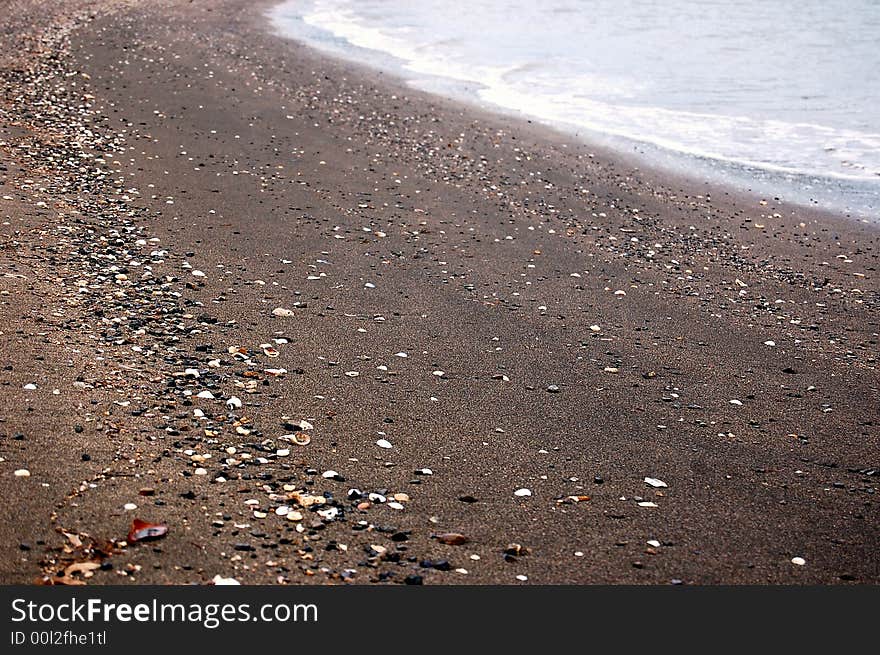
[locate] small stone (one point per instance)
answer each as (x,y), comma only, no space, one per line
(451,538)
(22,473)
(282,311)
(654,482)
(522,493)
(553,389)
(798,561)
(384,443)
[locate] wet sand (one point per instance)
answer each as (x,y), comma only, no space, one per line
(172,172)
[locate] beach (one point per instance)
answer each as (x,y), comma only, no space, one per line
(327,328)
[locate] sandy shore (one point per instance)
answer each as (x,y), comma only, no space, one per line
(217,245)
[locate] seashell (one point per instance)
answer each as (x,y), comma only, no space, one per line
(143,531)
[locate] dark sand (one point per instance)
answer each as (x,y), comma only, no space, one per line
(493,247)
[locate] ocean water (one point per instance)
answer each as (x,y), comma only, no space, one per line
(781,97)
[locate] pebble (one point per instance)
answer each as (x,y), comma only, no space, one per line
(654,482)
(22,473)
(451,538)
(384,443)
(129,507)
(282,311)
(522,493)
(798,561)
(30,386)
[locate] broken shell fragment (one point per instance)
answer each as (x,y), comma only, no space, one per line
(219,580)
(298,425)
(143,531)
(298,438)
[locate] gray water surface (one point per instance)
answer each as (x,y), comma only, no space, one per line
(779,97)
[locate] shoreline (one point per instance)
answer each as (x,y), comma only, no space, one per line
(748,179)
(243,173)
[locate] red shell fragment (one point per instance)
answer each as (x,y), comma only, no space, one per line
(143,531)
